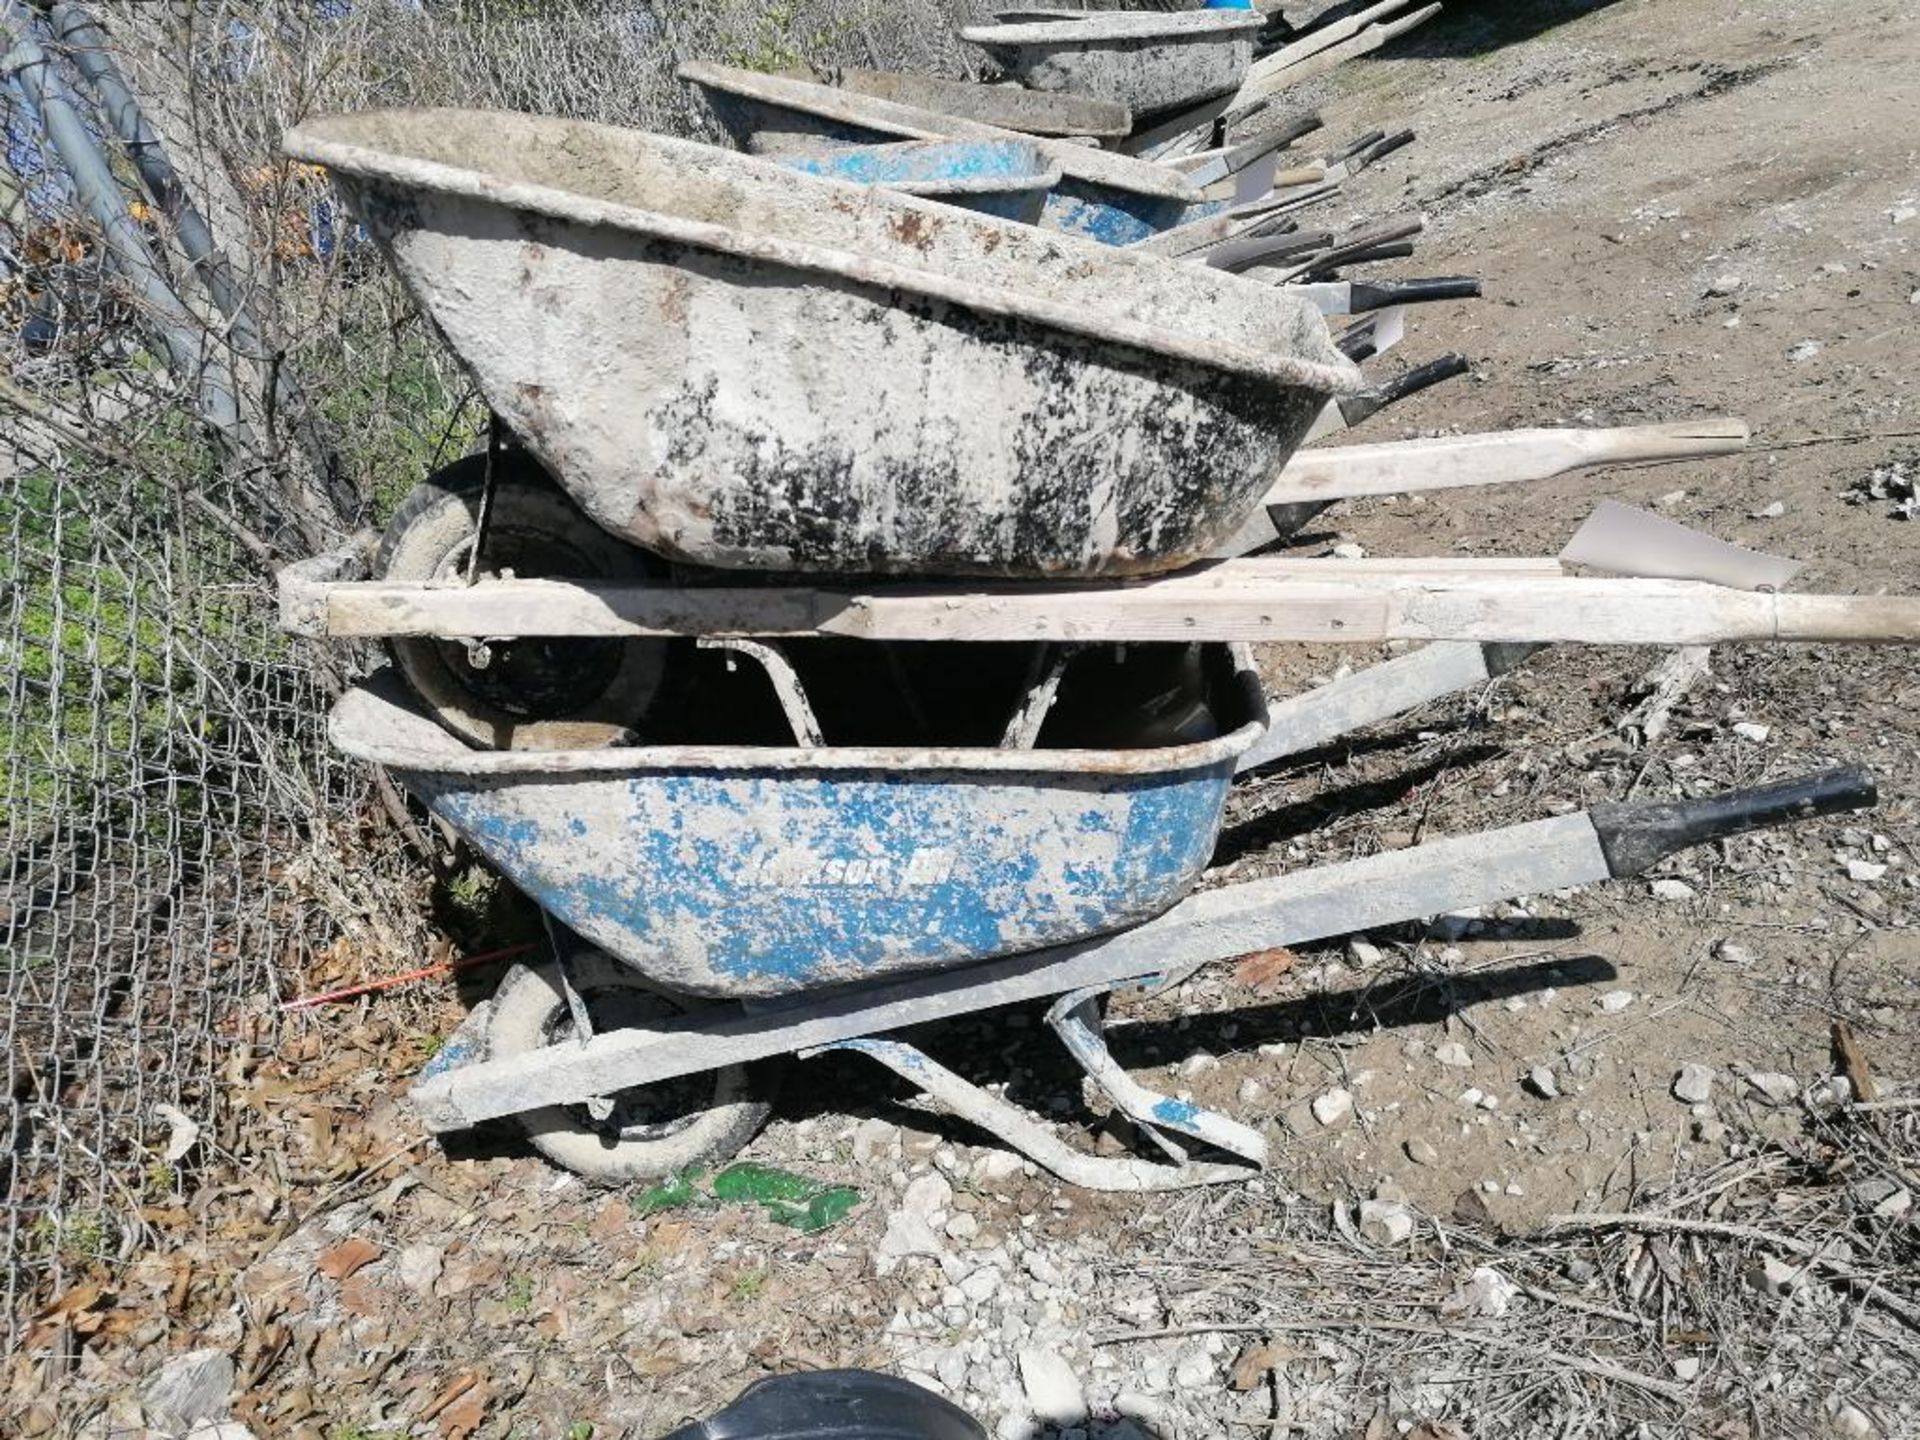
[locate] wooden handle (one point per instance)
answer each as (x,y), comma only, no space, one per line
(1501,458)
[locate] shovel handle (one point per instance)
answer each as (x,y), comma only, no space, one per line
(1633,837)
(1413,292)
(1359,407)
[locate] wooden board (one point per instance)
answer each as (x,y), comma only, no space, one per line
(1253,600)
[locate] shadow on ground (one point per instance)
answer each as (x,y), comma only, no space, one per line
(1477,27)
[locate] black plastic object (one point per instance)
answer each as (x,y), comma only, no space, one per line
(1355,408)
(1380,149)
(1274,137)
(1237,255)
(1632,837)
(834,1405)
(1365,142)
(1364,296)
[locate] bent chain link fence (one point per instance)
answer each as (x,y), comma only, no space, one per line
(208,373)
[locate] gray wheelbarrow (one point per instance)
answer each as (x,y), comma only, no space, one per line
(736,365)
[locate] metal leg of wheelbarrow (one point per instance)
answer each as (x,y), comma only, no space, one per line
(1075,1018)
(1014,1126)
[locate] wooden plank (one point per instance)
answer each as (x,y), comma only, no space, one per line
(1254,600)
(1500,458)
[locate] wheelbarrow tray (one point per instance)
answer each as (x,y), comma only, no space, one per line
(737,365)
(1012,107)
(1111,198)
(1151,63)
(1007,178)
(759,871)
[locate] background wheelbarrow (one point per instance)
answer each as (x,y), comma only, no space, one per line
(1151,63)
(1110,198)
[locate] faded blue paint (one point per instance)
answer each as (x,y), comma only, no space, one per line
(920,162)
(1007,178)
(1181,1114)
(1114,216)
(765,882)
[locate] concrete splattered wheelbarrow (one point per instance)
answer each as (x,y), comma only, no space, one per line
(1007,178)
(1011,107)
(1110,198)
(735,365)
(762,903)
(1151,63)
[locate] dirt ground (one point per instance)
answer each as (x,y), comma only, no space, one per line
(1680,208)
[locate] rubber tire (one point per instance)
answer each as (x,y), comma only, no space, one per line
(525,1008)
(436,522)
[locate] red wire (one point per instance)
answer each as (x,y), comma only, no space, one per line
(367,987)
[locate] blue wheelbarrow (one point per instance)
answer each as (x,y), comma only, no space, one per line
(727,904)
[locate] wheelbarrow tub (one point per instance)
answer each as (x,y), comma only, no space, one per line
(1007,178)
(740,366)
(1151,63)
(1011,107)
(748,871)
(1111,198)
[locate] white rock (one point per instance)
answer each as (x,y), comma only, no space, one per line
(1671,890)
(1195,1371)
(927,1196)
(1198,1063)
(1723,284)
(1453,1054)
(1775,1088)
(1540,1077)
(1614,1001)
(1362,955)
(220,1430)
(1250,1090)
(1895,1205)
(996,1167)
(1036,1264)
(1686,1368)
(1770,511)
(1487,1292)
(188,1389)
(1421,1152)
(962,1226)
(1385,1222)
(1472,1095)
(1771,1276)
(1053,1393)
(1332,1107)
(981,1284)
(1805,350)
(1748,730)
(1865,871)
(875,1137)
(1853,1423)
(905,1235)
(1348,550)
(1733,954)
(418,1267)
(1694,1084)
(1901,214)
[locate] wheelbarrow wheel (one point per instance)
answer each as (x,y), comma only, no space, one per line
(533,692)
(653,1132)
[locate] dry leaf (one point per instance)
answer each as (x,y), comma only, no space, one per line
(1379,1427)
(1262,969)
(347,1257)
(1250,1370)
(1438,1430)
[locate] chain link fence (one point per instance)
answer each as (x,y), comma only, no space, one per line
(208,373)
